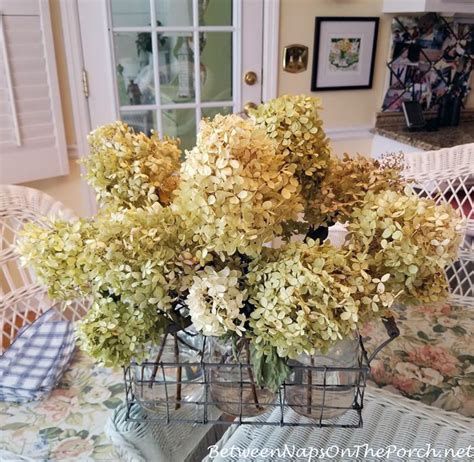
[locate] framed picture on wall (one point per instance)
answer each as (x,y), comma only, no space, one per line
(344,53)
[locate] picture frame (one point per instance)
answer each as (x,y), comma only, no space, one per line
(344,53)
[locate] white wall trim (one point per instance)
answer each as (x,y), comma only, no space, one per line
(345,133)
(270,61)
(52,76)
(75,64)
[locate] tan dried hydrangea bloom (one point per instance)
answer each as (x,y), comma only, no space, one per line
(293,122)
(235,190)
(411,238)
(346,184)
(131,169)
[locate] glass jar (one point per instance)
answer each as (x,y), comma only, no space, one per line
(233,388)
(325,395)
(162,386)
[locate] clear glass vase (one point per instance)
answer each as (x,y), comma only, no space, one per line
(233,388)
(325,395)
(164,383)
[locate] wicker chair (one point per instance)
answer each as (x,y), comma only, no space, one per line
(22,298)
(437,336)
(447,175)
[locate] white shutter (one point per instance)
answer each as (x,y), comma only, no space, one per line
(32,142)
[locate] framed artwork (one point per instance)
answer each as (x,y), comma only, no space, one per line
(344,53)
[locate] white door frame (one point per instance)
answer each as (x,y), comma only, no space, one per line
(75,67)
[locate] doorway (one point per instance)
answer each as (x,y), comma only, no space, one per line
(164,65)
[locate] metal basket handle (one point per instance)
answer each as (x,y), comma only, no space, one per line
(392,331)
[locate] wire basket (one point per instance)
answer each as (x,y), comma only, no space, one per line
(181,392)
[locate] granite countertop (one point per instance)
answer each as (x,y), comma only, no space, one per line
(393,126)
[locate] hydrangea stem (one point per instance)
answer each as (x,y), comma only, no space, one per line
(309,390)
(179,372)
(157,360)
(252,380)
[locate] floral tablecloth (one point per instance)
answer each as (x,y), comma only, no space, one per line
(432,360)
(69,424)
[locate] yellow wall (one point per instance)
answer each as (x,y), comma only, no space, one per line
(67,189)
(346,108)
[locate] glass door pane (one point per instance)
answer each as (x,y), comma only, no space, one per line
(173,63)
(180,123)
(176,58)
(215,13)
(134,68)
(123,15)
(174,13)
(216,66)
(140,121)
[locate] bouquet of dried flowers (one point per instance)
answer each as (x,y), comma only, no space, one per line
(180,244)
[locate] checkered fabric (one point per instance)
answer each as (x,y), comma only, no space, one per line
(35,361)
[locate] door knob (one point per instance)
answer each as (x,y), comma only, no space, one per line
(250,78)
(248,106)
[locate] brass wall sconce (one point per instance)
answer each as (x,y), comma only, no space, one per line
(295,58)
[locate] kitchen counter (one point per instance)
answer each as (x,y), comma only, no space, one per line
(445,137)
(392,126)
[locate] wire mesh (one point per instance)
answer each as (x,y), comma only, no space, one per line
(175,392)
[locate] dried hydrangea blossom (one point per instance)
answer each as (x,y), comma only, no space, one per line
(143,257)
(411,238)
(114,332)
(127,168)
(235,190)
(303,301)
(294,123)
(57,252)
(215,302)
(347,182)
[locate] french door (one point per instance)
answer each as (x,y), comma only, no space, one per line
(165,64)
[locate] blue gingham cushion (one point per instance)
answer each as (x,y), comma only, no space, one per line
(35,361)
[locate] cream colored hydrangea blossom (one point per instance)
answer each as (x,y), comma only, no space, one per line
(131,169)
(215,302)
(235,190)
(411,238)
(293,122)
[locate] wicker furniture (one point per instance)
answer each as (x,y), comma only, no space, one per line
(447,175)
(433,358)
(391,423)
(22,298)
(71,420)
